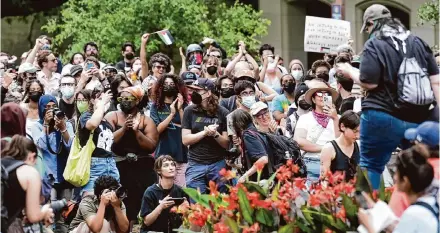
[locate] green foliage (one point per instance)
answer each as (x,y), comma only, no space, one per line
(245,206)
(114,22)
(429,12)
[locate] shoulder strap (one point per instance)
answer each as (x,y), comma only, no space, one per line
(256,134)
(429,207)
(11,164)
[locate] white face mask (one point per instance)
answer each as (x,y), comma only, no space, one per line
(248,101)
(67,92)
(297,74)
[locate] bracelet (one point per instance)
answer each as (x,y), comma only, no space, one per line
(64,130)
(46,125)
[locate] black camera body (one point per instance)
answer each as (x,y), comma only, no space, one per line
(120,191)
(58,113)
(59,205)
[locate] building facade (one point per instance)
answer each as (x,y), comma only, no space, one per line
(286,32)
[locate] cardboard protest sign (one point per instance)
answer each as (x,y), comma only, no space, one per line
(324,35)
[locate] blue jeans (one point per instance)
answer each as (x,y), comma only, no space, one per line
(100,167)
(198,176)
(380,135)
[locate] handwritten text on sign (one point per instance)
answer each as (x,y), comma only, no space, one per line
(323,35)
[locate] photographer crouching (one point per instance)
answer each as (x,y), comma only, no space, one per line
(103,212)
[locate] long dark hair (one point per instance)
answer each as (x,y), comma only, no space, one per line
(73,57)
(212,107)
(19,147)
(28,86)
(158,89)
(119,78)
(413,164)
(394,23)
(240,120)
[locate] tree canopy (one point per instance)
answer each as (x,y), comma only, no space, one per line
(110,23)
(428,12)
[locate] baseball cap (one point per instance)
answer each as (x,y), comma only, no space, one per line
(301,89)
(27,68)
(257,107)
(426,133)
(75,70)
(203,83)
(188,77)
(375,11)
(109,67)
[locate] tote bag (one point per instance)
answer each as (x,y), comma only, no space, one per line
(77,171)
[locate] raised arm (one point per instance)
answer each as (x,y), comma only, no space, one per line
(33,53)
(143,54)
(231,65)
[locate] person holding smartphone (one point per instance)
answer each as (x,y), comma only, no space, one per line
(315,128)
(159,198)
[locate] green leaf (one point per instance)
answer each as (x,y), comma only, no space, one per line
(254,187)
(289,228)
(382,189)
(264,216)
(362,181)
(196,196)
(245,207)
(275,192)
(351,209)
(233,226)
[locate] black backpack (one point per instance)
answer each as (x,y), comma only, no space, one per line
(278,146)
(8,165)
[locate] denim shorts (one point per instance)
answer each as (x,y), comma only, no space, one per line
(380,134)
(100,167)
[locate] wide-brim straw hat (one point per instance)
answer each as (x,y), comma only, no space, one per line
(316,85)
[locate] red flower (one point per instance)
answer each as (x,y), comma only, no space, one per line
(328,231)
(341,214)
(213,188)
(300,183)
(259,165)
(289,163)
(221,228)
(389,190)
(314,200)
(227,174)
(295,168)
(252,229)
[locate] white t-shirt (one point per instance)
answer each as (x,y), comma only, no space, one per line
(418,219)
(308,122)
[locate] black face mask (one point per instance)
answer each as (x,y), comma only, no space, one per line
(127,106)
(169,91)
(196,98)
(35,96)
(129,56)
(289,88)
(211,70)
(227,92)
(304,105)
(324,77)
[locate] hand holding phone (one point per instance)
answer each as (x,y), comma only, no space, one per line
(89,65)
(328,101)
(177,200)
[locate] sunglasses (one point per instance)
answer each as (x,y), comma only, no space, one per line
(127,98)
(67,84)
(321,93)
(160,67)
(216,56)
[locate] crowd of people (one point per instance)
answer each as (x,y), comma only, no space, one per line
(151,130)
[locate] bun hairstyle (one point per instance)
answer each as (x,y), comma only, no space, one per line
(413,163)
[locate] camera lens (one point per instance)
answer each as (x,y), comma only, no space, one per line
(58,113)
(121,192)
(58,205)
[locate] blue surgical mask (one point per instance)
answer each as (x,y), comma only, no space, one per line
(248,101)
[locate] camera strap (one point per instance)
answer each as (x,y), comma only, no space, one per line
(59,138)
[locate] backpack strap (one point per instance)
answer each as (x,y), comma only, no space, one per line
(257,135)
(9,164)
(431,209)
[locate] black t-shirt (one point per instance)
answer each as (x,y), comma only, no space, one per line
(121,65)
(166,221)
(229,103)
(380,64)
(347,104)
(207,150)
(256,146)
(102,136)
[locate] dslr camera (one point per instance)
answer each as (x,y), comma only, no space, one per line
(120,191)
(58,113)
